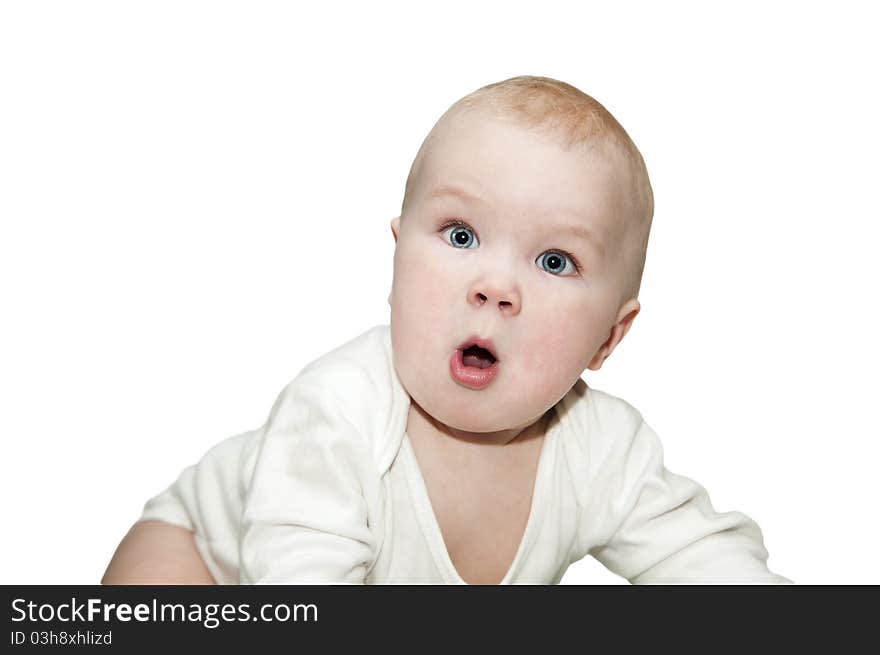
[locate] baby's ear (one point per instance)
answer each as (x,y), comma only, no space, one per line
(395,226)
(625,316)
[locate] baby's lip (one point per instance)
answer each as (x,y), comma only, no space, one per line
(476,340)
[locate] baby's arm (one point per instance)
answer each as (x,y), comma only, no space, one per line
(190,531)
(665,529)
(154,552)
(305,520)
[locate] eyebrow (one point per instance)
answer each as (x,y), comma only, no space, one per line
(447,190)
(580,231)
(586,234)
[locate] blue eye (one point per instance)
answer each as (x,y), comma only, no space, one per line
(461,236)
(557,263)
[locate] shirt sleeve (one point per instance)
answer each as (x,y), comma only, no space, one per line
(207,498)
(306,519)
(669,533)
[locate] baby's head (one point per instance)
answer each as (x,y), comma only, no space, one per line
(524,225)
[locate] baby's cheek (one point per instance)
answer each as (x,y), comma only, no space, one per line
(427,286)
(556,358)
(546,346)
(420,315)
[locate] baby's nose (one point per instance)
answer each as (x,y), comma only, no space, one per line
(505,297)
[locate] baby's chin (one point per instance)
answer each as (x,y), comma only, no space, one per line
(474,427)
(476,417)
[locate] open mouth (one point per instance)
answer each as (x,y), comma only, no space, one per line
(474,364)
(477,357)
(477,352)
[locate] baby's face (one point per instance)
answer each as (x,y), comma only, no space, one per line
(511,239)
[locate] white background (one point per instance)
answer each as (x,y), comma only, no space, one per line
(195,201)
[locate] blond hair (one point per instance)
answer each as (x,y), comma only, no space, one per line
(582,122)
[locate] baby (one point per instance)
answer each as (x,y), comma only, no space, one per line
(459,445)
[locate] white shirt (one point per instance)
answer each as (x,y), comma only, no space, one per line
(328,491)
